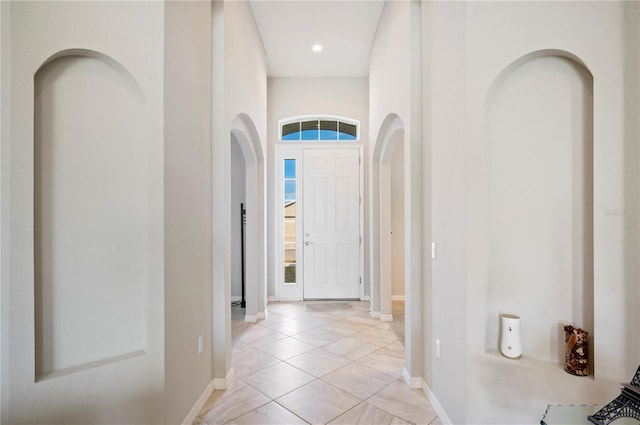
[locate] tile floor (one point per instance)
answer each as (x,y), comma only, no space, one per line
(299,367)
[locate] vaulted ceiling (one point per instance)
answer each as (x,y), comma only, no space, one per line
(345,29)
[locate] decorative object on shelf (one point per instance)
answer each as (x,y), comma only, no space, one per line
(576,351)
(510,345)
(626,405)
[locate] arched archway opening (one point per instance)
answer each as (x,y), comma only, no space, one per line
(244,135)
(386,169)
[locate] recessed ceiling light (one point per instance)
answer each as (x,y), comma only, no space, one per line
(317,48)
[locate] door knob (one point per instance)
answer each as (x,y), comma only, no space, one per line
(308,243)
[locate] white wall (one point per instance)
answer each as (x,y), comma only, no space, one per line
(395,90)
(239,95)
(397,221)
(467,46)
(238,177)
(5,54)
(289,97)
(128,388)
(187,187)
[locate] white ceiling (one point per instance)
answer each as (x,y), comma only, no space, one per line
(345,28)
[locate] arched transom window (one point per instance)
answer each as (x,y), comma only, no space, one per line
(329,129)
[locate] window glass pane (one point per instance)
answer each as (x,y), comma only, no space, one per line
(289,190)
(343,136)
(291,128)
(328,135)
(289,168)
(309,125)
(329,125)
(347,131)
(310,135)
(292,136)
(290,226)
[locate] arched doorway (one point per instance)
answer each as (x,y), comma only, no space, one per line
(244,134)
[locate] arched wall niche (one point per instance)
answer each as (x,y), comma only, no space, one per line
(539,141)
(92,213)
(125,74)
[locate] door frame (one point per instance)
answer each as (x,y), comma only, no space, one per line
(295,291)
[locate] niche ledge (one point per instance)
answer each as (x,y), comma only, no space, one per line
(74,369)
(549,370)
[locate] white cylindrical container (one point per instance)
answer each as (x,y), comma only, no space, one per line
(510,345)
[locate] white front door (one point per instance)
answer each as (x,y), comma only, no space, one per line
(331,217)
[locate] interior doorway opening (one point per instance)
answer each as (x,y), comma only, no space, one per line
(238,170)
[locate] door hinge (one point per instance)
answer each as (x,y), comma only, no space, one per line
(359,160)
(361,199)
(360,239)
(360,280)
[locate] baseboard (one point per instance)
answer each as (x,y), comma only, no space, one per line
(366,298)
(374,314)
(260,315)
(412,382)
(197,407)
(252,319)
(397,297)
(386,317)
(435,404)
(271,298)
(234,299)
(223,383)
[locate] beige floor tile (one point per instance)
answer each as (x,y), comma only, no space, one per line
(368,320)
(273,318)
(239,347)
(286,348)
(276,381)
(293,309)
(358,380)
(395,346)
(319,336)
(251,361)
(409,405)
(351,348)
(388,361)
(318,402)
(269,414)
(318,362)
(259,335)
(295,326)
(345,327)
(383,325)
(379,337)
(366,414)
(436,421)
(235,401)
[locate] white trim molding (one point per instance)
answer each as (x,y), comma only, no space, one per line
(435,404)
(386,317)
(260,315)
(374,314)
(199,404)
(223,383)
(413,382)
(251,319)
